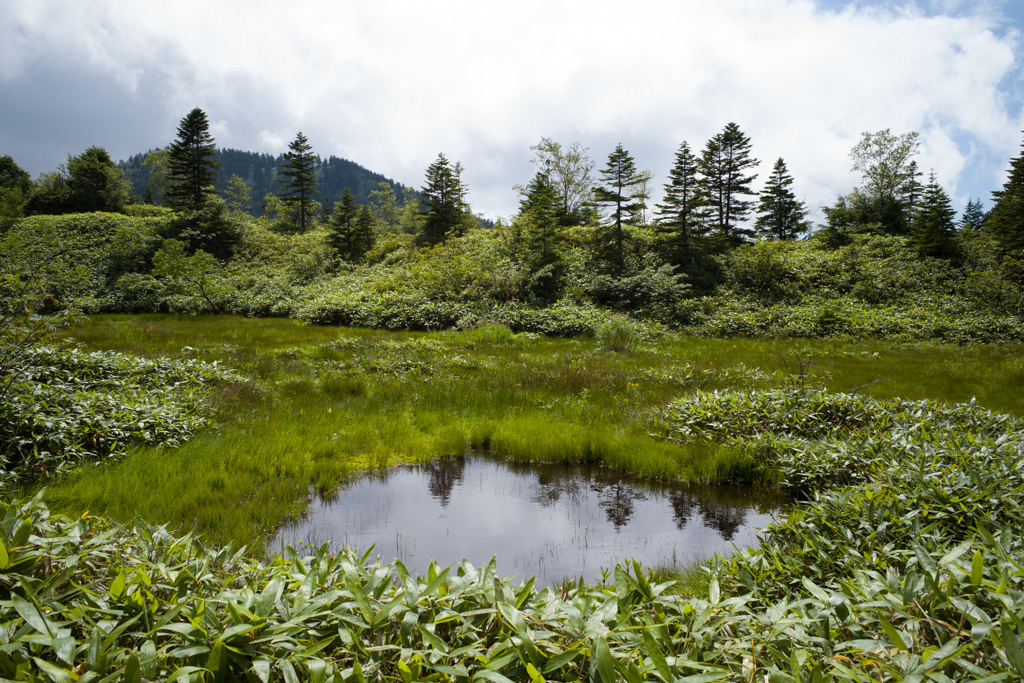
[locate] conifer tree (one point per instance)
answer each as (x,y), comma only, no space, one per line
(682,215)
(191,164)
(1006,222)
(297,178)
(443,207)
(724,166)
(912,193)
(934,222)
(350,231)
(620,180)
(780,216)
(974,215)
(541,233)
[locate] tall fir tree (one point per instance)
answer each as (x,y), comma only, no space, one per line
(297,178)
(443,206)
(724,166)
(934,222)
(780,216)
(540,211)
(618,192)
(350,230)
(682,215)
(912,194)
(191,164)
(1006,221)
(974,215)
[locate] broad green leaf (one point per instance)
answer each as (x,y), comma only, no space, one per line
(602,666)
(1014,651)
(653,650)
(55,672)
(892,634)
(31,614)
(977,568)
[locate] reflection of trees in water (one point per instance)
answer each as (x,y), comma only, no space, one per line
(444,475)
(726,519)
(720,511)
(682,503)
(617,499)
(553,483)
(723,508)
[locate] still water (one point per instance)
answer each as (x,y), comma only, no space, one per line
(552,521)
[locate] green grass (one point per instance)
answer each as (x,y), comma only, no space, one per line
(327,402)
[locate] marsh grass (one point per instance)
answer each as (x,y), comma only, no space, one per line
(326,403)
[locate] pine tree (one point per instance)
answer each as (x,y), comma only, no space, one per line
(620,180)
(974,216)
(297,178)
(933,222)
(723,165)
(682,216)
(443,207)
(1006,222)
(779,215)
(191,165)
(912,194)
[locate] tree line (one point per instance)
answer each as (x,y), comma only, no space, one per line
(708,204)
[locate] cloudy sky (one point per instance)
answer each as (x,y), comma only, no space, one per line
(390,84)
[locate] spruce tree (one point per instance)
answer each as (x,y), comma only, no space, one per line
(297,178)
(912,194)
(974,215)
(540,211)
(618,193)
(682,215)
(191,166)
(780,216)
(933,222)
(1006,222)
(350,231)
(443,207)
(724,166)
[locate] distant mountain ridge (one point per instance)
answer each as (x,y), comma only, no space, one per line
(334,174)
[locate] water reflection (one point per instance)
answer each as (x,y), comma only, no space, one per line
(552,521)
(443,476)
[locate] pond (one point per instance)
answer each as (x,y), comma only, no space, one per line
(552,521)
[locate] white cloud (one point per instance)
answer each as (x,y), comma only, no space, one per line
(391,84)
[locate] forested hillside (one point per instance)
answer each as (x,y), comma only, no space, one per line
(259,171)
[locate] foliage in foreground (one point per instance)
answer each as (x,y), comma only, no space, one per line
(908,569)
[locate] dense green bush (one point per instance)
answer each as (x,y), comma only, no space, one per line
(871,286)
(64,406)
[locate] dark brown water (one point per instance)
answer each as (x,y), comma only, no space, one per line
(551,521)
